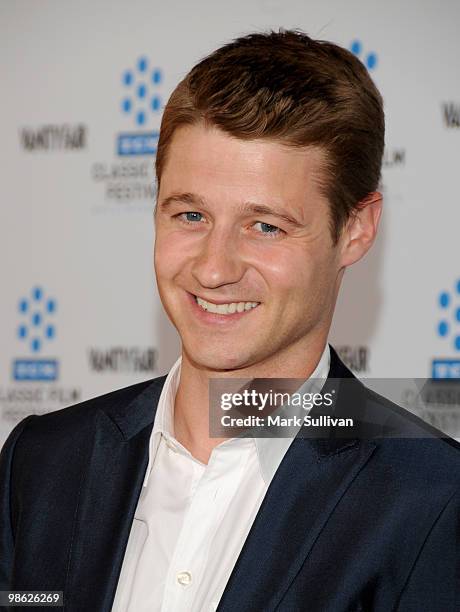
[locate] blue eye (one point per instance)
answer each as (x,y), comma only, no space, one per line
(266,228)
(191,217)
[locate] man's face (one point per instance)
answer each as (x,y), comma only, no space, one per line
(244,222)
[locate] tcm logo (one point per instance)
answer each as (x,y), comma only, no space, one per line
(368,58)
(448,328)
(35,330)
(451,114)
(141,100)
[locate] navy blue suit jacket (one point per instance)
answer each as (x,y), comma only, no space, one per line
(364,523)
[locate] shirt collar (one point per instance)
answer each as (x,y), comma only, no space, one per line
(270,451)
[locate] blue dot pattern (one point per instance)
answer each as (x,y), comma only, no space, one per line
(128,78)
(356,47)
(142,64)
(443,328)
(141,98)
(35,328)
(451,314)
(371,59)
(444,299)
(37,294)
(23,305)
(51,306)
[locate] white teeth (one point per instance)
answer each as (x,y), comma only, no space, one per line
(226,309)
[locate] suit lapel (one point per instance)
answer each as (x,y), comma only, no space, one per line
(307,486)
(110,489)
(304,492)
(309,483)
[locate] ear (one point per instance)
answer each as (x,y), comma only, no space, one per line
(361,229)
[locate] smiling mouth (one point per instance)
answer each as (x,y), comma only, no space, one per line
(225,309)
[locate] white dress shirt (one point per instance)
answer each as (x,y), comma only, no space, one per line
(192,519)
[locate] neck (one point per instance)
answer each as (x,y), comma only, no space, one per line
(191,408)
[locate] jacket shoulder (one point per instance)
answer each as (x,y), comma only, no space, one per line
(407,446)
(418,453)
(76,421)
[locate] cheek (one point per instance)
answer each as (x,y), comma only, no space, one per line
(300,277)
(169,254)
(287,270)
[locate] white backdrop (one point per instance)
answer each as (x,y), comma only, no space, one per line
(79,311)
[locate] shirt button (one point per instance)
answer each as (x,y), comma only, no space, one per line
(184,578)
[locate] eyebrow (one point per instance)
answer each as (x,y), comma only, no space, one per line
(247,207)
(182,198)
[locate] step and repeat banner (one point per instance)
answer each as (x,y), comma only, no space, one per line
(83,89)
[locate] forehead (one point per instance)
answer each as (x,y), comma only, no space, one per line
(207,161)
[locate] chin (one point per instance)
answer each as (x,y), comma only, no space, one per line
(217,357)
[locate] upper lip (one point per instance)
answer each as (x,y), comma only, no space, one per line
(219,301)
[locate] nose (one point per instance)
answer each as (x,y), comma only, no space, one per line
(218,261)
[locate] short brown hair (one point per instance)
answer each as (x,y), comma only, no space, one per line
(284,86)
